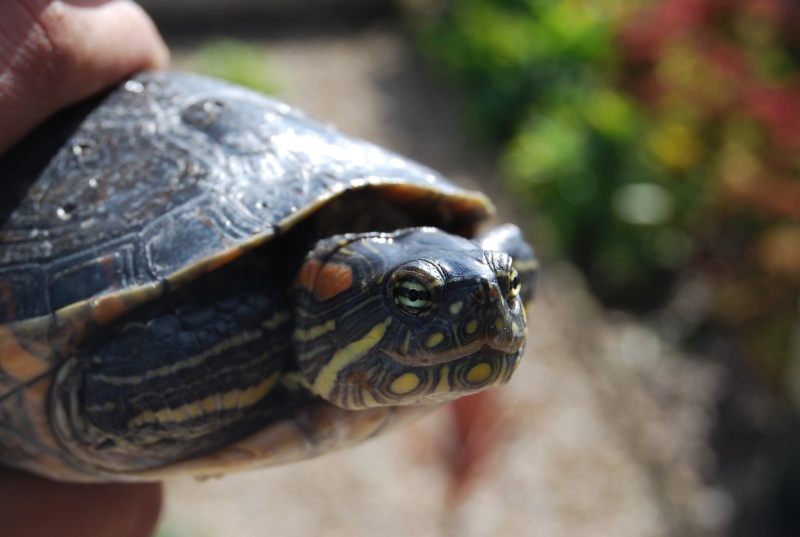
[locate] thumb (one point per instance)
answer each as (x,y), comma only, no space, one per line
(54,53)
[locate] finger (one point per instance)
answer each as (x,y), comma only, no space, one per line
(54,53)
(31,506)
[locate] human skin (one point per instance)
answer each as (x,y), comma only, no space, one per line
(53,54)
(32,506)
(56,53)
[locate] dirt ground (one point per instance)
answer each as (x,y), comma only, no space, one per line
(603,430)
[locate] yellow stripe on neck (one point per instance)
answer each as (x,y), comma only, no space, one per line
(326,380)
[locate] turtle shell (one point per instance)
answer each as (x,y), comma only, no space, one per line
(170,175)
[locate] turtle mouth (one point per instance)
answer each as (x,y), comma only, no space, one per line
(490,349)
(491,354)
(486,368)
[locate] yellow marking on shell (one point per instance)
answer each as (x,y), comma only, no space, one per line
(404,384)
(315,331)
(499,323)
(455,307)
(479,373)
(224,258)
(471,327)
(434,340)
(16,361)
(107,308)
(231,400)
(326,380)
(73,321)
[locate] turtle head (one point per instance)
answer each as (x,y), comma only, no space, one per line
(410,317)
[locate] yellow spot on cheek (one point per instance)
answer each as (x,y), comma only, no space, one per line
(434,340)
(471,327)
(455,307)
(404,384)
(499,324)
(479,373)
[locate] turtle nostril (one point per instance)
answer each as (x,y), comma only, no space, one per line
(479,295)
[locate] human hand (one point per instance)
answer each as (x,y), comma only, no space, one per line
(52,54)
(31,506)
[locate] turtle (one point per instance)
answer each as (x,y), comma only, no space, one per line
(197,278)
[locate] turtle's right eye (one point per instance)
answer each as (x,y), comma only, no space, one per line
(412,296)
(513,285)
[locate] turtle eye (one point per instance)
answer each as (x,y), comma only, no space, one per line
(513,284)
(412,296)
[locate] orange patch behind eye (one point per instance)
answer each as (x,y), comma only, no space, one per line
(326,281)
(308,274)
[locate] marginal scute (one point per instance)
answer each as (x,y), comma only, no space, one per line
(17,363)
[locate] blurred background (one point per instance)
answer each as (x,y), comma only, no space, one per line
(650,149)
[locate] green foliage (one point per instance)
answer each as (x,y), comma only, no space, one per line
(537,77)
(511,53)
(652,139)
(236,61)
